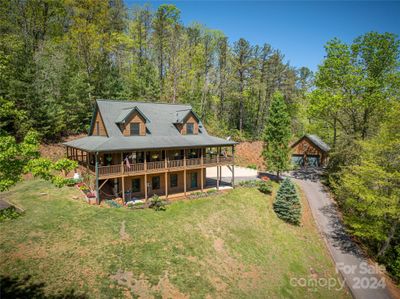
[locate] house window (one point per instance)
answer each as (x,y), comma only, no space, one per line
(135,129)
(97,128)
(174,180)
(136,185)
(155,182)
(189,128)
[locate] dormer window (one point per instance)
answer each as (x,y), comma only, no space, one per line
(189,128)
(135,129)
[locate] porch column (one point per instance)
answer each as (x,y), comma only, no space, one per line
(122,164)
(202,170)
(145,185)
(166,163)
(202,179)
(233,166)
(87,162)
(97,179)
(184,172)
(123,188)
(166,184)
(217,177)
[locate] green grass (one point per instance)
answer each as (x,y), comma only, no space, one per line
(230,246)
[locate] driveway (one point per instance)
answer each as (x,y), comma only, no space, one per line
(363,280)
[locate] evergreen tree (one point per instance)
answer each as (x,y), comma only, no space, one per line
(277,136)
(287,203)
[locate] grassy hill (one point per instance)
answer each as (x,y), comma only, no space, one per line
(230,246)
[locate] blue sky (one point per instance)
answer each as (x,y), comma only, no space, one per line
(299,29)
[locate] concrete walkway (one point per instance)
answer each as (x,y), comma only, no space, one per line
(362,279)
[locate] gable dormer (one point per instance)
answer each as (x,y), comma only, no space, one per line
(132,122)
(187,122)
(97,127)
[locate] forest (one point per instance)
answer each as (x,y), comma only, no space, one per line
(57,57)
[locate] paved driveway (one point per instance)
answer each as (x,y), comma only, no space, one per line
(362,279)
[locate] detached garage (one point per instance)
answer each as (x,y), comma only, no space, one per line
(310,151)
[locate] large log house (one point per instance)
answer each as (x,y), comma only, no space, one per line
(138,149)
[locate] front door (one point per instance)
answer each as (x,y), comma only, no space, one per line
(193,180)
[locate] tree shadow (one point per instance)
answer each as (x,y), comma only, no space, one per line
(212,182)
(338,235)
(307,173)
(270,176)
(21,288)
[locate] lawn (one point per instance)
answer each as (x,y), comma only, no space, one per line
(227,246)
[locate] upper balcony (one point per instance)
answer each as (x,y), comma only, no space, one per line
(148,162)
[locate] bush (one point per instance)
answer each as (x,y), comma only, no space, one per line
(157,204)
(287,203)
(113,204)
(9,213)
(252,166)
(265,187)
(250,184)
(135,205)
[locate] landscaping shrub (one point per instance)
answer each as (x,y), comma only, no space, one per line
(287,203)
(135,205)
(265,187)
(157,204)
(9,213)
(113,204)
(250,184)
(252,166)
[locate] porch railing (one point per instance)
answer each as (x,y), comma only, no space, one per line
(108,170)
(158,165)
(175,163)
(134,167)
(193,162)
(155,165)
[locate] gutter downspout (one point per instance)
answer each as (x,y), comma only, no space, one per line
(97,179)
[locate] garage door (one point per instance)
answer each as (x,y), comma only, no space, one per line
(297,160)
(313,161)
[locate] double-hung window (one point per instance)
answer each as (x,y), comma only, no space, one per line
(135,129)
(190,128)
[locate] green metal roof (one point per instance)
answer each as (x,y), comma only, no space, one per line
(160,125)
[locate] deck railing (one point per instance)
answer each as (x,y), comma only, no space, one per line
(109,170)
(193,162)
(155,165)
(117,169)
(175,163)
(134,167)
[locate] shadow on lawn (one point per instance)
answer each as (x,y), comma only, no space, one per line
(21,288)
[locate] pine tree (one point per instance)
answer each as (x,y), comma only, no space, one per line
(287,204)
(277,136)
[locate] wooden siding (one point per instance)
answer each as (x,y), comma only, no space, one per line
(305,147)
(161,191)
(190,119)
(102,128)
(135,118)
